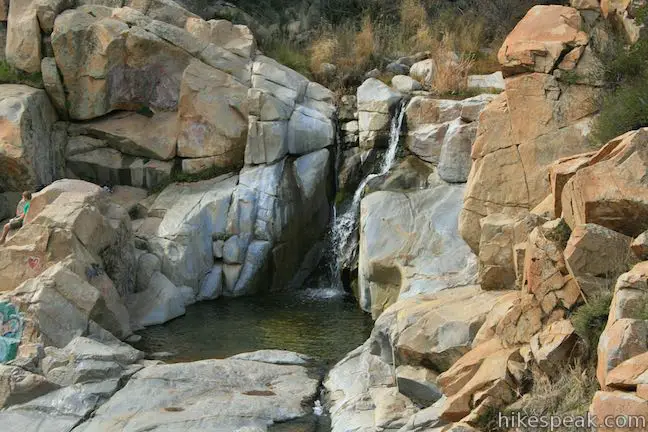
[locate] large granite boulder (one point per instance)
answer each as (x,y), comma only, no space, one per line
(349,384)
(62,305)
(125,68)
(588,198)
(432,330)
(23,49)
(193,215)
(377,102)
(409,244)
(190,396)
(134,134)
(28,155)
(540,39)
(72,221)
(213,115)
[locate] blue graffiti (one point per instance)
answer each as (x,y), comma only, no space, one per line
(11,326)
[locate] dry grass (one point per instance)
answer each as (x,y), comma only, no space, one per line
(571,394)
(365,42)
(451,75)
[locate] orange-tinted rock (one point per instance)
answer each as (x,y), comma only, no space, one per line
(620,341)
(629,374)
(628,409)
(540,38)
(612,191)
(560,173)
(598,251)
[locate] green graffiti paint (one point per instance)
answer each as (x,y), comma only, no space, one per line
(11,325)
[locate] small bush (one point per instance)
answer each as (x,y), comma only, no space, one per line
(9,75)
(590,319)
(451,76)
(624,72)
(289,54)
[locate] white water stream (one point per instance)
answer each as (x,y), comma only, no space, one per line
(343,233)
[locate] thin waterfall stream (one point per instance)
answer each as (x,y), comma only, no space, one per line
(344,227)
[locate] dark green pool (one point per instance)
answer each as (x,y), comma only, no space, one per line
(318,322)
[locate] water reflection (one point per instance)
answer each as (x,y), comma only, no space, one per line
(318,322)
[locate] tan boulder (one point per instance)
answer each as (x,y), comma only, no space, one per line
(630,374)
(516,145)
(614,6)
(553,347)
(546,275)
(623,411)
(433,330)
(134,134)
(560,173)
(213,115)
(521,321)
(19,386)
(124,68)
(630,294)
(23,49)
(496,263)
(611,191)
(620,341)
(28,155)
(62,306)
(237,39)
(488,330)
(502,245)
(639,246)
(71,221)
(488,382)
(598,251)
(393,409)
(540,38)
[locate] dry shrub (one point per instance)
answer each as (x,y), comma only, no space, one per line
(322,50)
(451,76)
(413,15)
(365,42)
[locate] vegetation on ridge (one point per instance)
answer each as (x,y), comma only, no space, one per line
(625,74)
(357,36)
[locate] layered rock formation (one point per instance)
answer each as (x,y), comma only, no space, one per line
(554,226)
(518,131)
(198,87)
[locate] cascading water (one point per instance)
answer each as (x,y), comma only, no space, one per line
(343,232)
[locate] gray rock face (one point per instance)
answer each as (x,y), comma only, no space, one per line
(160,302)
(376,101)
(409,244)
(196,214)
(28,156)
(455,160)
(215,395)
(278,357)
(351,386)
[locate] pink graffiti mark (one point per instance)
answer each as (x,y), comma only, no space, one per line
(34,263)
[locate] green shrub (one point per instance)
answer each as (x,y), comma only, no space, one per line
(625,75)
(289,54)
(9,75)
(590,319)
(622,110)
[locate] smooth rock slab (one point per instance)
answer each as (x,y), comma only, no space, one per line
(214,395)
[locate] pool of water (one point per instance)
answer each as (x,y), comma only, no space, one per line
(322,323)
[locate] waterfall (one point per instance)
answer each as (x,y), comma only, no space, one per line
(343,238)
